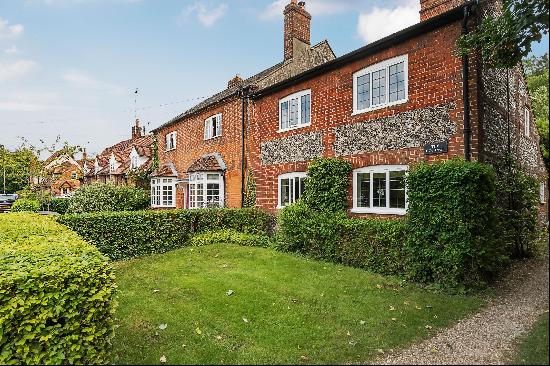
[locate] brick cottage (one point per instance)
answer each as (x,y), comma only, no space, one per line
(383,107)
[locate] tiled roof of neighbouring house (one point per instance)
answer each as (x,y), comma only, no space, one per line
(165,170)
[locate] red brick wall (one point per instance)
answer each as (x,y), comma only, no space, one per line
(190,146)
(435,78)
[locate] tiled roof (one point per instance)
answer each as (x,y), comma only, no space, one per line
(206,163)
(165,170)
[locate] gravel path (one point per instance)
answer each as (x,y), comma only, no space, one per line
(487,337)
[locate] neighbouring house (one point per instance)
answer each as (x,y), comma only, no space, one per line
(62,174)
(403,99)
(122,163)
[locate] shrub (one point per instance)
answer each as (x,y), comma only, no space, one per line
(372,244)
(24,204)
(108,197)
(327,183)
(56,294)
(59,205)
(517,208)
(121,235)
(230,236)
(452,239)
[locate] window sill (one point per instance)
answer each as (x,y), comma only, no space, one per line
(292,128)
(382,106)
(379,210)
(212,138)
(155,206)
(170,150)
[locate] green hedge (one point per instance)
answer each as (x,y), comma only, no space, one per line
(56,294)
(59,205)
(108,197)
(453,238)
(230,236)
(375,245)
(25,205)
(327,183)
(121,235)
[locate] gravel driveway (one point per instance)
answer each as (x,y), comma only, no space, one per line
(487,337)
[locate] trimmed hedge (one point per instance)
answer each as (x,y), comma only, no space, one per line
(375,245)
(453,238)
(230,236)
(25,205)
(326,185)
(108,197)
(122,235)
(56,294)
(59,205)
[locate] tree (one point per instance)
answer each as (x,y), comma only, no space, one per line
(18,165)
(505,39)
(536,71)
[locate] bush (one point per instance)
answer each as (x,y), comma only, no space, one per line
(59,205)
(108,197)
(24,204)
(371,244)
(56,294)
(452,239)
(121,235)
(230,236)
(327,183)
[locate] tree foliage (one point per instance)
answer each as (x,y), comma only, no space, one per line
(18,165)
(505,39)
(536,70)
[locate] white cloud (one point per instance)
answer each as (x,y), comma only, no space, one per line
(11,51)
(80,79)
(381,22)
(7,30)
(17,69)
(205,15)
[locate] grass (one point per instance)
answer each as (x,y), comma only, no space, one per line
(284,309)
(533,349)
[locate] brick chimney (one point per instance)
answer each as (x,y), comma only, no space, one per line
(237,80)
(432,8)
(297,25)
(136,130)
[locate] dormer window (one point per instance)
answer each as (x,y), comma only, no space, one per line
(112,166)
(171,140)
(74,175)
(381,85)
(213,127)
(295,111)
(134,162)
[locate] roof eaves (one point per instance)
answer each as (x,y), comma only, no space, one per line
(371,48)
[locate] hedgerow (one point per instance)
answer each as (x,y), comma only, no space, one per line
(108,197)
(56,294)
(230,236)
(121,235)
(25,205)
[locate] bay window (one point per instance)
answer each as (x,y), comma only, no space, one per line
(381,85)
(163,192)
(206,190)
(380,189)
(291,188)
(295,111)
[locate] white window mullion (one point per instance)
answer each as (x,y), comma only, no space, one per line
(371,193)
(387,189)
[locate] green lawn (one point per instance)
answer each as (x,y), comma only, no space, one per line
(533,349)
(284,309)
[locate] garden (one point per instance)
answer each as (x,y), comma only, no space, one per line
(117,285)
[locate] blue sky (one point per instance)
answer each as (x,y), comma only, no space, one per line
(69,67)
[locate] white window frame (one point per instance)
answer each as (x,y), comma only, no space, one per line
(526,122)
(201,178)
(209,127)
(134,162)
(542,193)
(157,191)
(379,210)
(288,99)
(285,176)
(171,140)
(384,65)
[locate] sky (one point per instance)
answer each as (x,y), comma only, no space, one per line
(71,67)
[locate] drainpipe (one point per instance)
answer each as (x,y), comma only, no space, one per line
(242,147)
(465,90)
